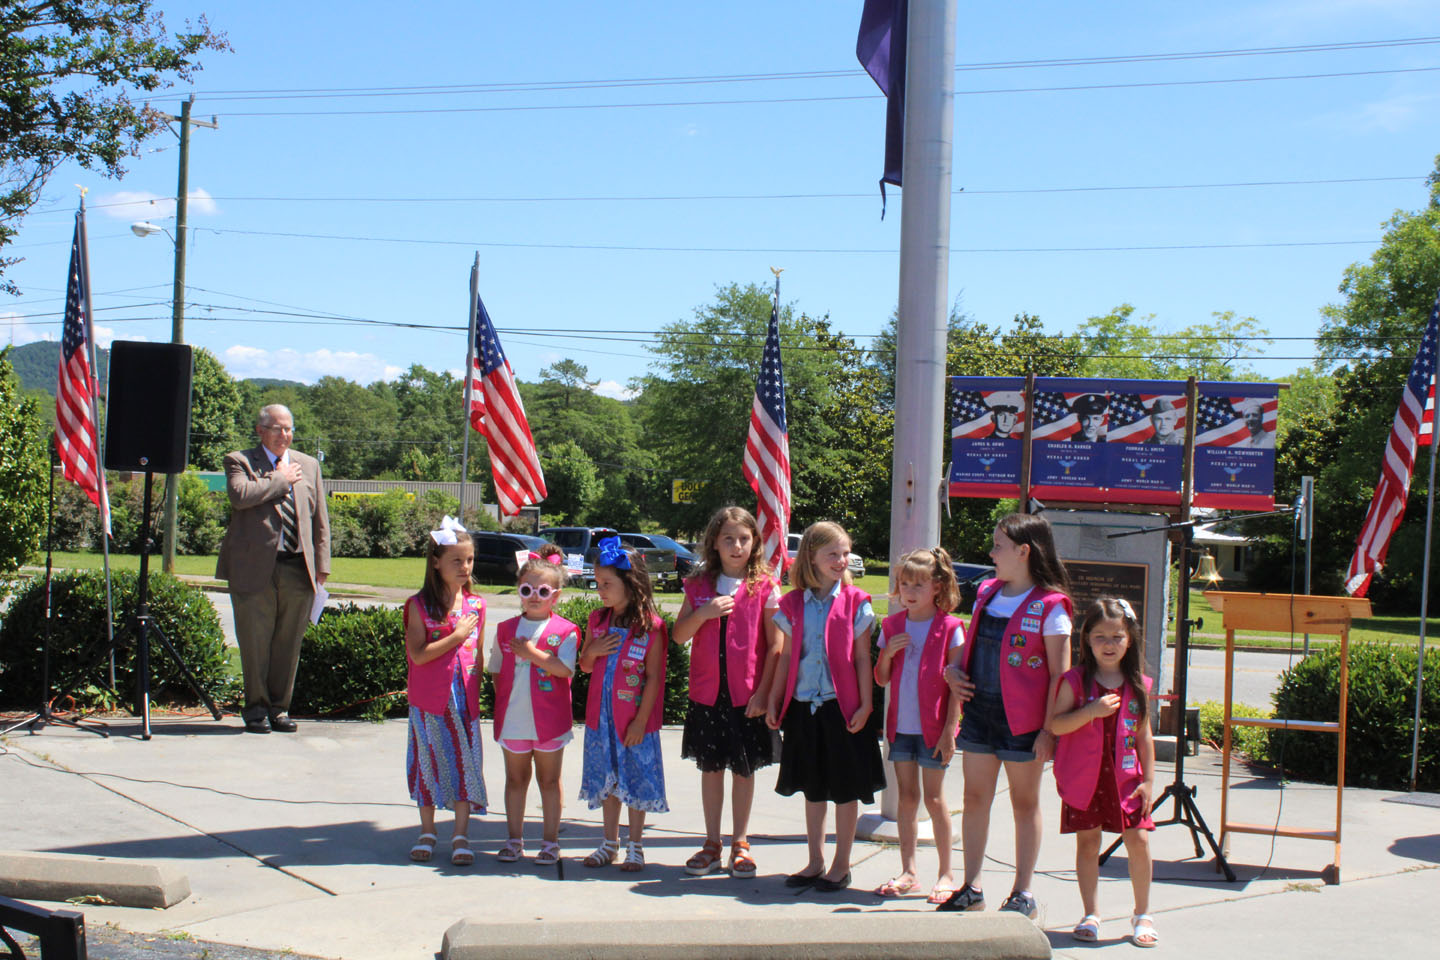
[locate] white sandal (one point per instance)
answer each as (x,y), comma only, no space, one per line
(634,857)
(549,854)
(603,855)
(513,850)
(424,847)
(460,853)
(1088,929)
(1142,924)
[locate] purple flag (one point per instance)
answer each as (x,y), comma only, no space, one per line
(881,50)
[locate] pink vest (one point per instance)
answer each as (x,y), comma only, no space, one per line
(427,685)
(549,694)
(1077,754)
(744,643)
(934,693)
(1024,665)
(629,675)
(839,645)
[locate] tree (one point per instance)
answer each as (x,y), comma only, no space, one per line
(569,377)
(24,458)
(67,71)
(571,482)
(215,407)
(1118,345)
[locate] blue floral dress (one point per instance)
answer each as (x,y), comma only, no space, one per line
(634,775)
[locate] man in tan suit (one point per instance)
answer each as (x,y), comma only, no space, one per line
(275,553)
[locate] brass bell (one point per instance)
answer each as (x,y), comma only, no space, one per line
(1207,571)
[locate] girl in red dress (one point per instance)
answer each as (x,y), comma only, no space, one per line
(1105,758)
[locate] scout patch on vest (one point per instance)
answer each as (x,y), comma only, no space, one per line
(1129,723)
(1128,763)
(632,680)
(1133,706)
(553,640)
(627,695)
(1014,660)
(1034,663)
(1017,640)
(1030,623)
(546,685)
(1036,606)
(636,651)
(435,634)
(1130,742)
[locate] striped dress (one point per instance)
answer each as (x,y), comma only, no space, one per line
(442,756)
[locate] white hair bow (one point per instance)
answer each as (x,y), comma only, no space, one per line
(445,536)
(1125,607)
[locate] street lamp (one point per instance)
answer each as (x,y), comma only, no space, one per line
(145,228)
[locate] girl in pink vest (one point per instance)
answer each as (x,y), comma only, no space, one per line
(821,701)
(443,626)
(733,648)
(532,662)
(1017,647)
(626,640)
(916,644)
(1105,760)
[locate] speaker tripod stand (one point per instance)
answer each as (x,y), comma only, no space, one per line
(143,625)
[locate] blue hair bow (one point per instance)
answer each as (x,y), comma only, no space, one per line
(613,555)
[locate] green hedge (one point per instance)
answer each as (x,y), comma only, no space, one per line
(1253,742)
(78,661)
(351,663)
(1381,717)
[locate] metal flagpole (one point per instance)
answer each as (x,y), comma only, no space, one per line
(1424,612)
(99,437)
(924,300)
(469,378)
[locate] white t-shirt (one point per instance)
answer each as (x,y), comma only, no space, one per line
(519,714)
(729,586)
(1002,606)
(906,689)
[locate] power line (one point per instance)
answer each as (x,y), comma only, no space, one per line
(523,108)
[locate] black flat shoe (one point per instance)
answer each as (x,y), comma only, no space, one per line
(797,881)
(260,725)
(825,885)
(282,724)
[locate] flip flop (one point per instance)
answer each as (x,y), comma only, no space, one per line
(940,893)
(897,887)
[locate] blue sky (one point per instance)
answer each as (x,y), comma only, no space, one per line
(480,159)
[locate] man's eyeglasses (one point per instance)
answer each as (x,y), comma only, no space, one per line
(544,591)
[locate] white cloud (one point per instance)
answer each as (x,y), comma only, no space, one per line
(15,329)
(104,336)
(144,205)
(610,388)
(243,361)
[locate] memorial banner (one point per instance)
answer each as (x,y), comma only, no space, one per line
(987,416)
(1235,446)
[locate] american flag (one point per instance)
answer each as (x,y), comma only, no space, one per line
(496,411)
(1129,416)
(767,450)
(1427,423)
(76,440)
(1054,420)
(1387,507)
(969,416)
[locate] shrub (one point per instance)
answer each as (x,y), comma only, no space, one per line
(201,516)
(1253,742)
(1380,723)
(78,660)
(352,664)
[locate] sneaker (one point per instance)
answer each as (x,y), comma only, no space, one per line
(966,898)
(1019,902)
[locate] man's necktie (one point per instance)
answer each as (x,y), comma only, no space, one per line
(289,526)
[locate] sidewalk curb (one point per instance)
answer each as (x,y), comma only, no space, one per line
(855,937)
(59,876)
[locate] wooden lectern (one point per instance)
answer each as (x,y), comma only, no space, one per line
(1289,614)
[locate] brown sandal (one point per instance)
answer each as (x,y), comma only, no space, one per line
(706,861)
(742,865)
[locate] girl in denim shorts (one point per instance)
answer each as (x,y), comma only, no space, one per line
(916,644)
(1017,648)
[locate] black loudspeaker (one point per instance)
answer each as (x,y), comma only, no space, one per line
(147,408)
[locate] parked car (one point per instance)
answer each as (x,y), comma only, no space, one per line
(970,576)
(686,562)
(855,562)
(581,548)
(495,559)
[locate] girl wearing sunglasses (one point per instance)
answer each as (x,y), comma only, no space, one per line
(625,648)
(532,661)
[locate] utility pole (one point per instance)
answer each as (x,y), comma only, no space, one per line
(177,311)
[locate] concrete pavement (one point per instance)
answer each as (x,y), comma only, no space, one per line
(299,842)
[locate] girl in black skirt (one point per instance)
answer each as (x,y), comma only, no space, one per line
(734,646)
(822,697)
